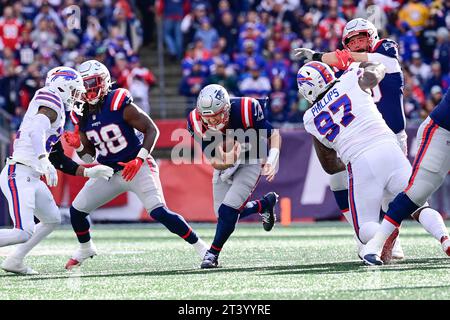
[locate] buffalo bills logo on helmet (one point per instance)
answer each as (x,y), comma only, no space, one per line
(301,80)
(65,73)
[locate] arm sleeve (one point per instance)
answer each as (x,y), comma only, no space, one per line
(62,162)
(37,134)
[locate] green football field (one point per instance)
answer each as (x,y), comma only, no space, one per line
(302,261)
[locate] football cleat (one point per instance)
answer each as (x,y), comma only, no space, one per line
(445,242)
(210,260)
(372,260)
(386,253)
(16,265)
(80,255)
(268,215)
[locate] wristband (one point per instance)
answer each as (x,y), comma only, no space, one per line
(317,56)
(273,156)
(143,154)
(80,148)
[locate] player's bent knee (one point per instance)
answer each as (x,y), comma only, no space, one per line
(228,214)
(367,231)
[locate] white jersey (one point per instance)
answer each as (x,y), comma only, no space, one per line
(347,120)
(23,148)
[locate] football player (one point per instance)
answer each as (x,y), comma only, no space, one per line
(344,121)
(122,137)
(38,151)
(217,118)
(361,43)
(430,167)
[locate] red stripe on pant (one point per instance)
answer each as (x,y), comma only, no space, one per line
(352,200)
(15,197)
(427,137)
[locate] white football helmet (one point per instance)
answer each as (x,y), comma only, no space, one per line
(213,106)
(357,26)
(97,80)
(68,84)
(313,79)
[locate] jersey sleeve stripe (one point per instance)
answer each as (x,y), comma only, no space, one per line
(49,100)
(124,94)
(242,112)
(246,107)
(250,113)
(73,118)
(54,96)
(195,123)
(113,100)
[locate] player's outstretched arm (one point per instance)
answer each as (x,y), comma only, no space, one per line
(79,141)
(328,158)
(374,72)
(139,120)
(340,59)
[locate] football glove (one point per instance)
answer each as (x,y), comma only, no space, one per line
(131,168)
(99,171)
(49,171)
(73,139)
(304,53)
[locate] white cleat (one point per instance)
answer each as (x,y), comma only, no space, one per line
(445,242)
(16,265)
(397,251)
(80,255)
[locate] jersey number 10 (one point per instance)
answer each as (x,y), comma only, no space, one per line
(110,140)
(324,120)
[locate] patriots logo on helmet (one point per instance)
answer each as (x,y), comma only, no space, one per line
(220,95)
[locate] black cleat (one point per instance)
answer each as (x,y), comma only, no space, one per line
(268,215)
(372,260)
(210,260)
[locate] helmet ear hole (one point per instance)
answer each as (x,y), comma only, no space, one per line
(60,90)
(310,92)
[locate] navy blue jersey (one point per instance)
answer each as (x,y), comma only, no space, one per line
(245,113)
(441,114)
(114,139)
(388,95)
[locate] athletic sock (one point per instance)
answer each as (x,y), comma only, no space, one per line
(253,207)
(13,236)
(433,223)
(175,223)
(80,225)
(225,226)
(42,230)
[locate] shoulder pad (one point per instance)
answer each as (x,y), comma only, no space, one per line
(119,98)
(386,47)
(48,98)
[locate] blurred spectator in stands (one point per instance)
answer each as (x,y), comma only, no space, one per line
(407,42)
(371,10)
(253,21)
(282,42)
(428,40)
(218,55)
(419,69)
(432,101)
(207,34)
(147,9)
(129,27)
(92,37)
(28,86)
(171,12)
(227,80)
(436,79)
(192,84)
(415,14)
(188,60)
(70,49)
(118,43)
(139,82)
(191,21)
(279,67)
(26,49)
(332,26)
(442,51)
(249,57)
(348,9)
(279,104)
(411,106)
(283,11)
(10,29)
(9,85)
(46,12)
(28,10)
(200,52)
(256,85)
(228,29)
(45,37)
(120,70)
(251,32)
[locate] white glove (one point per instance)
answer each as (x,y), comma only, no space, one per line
(302,53)
(49,171)
(99,171)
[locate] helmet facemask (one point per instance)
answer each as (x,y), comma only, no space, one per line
(358,42)
(95,88)
(218,120)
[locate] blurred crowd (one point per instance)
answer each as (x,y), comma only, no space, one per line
(37,35)
(247,46)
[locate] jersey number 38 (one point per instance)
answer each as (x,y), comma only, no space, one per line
(109,140)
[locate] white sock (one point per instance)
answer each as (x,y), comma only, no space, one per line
(376,244)
(42,231)
(86,245)
(201,247)
(348,217)
(13,236)
(433,223)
